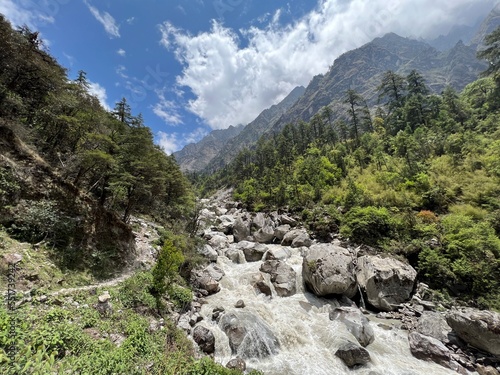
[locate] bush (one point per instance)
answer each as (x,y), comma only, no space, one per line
(368,225)
(135,291)
(180,296)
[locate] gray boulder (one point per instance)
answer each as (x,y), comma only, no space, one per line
(356,323)
(430,349)
(283,277)
(225,224)
(387,282)
(264,234)
(218,241)
(204,338)
(249,336)
(352,354)
(477,328)
(278,253)
(208,252)
(302,240)
(235,254)
(241,228)
(291,236)
(281,231)
(237,364)
(434,324)
(329,269)
(262,284)
(254,252)
(285,219)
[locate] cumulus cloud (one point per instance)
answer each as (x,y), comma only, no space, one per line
(100,93)
(234,75)
(29,13)
(121,52)
(106,20)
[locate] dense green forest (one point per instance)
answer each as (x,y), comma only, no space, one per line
(71,176)
(418,175)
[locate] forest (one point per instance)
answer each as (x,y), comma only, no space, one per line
(417,176)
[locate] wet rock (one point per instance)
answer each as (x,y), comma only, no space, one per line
(480,329)
(281,231)
(328,269)
(218,241)
(217,312)
(285,219)
(356,323)
(214,271)
(353,354)
(387,282)
(283,277)
(262,284)
(240,304)
(204,338)
(487,370)
(264,234)
(249,336)
(235,254)
(208,252)
(237,364)
(225,224)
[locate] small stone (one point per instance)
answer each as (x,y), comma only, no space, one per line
(105,297)
(13,258)
(43,299)
(237,364)
(240,304)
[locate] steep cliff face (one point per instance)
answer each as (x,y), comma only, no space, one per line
(487,26)
(36,202)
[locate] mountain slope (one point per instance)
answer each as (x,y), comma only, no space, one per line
(252,132)
(196,156)
(362,70)
(487,26)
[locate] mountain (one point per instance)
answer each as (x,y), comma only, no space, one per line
(491,22)
(252,132)
(362,70)
(196,156)
(458,32)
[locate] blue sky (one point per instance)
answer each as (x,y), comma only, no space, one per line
(190,66)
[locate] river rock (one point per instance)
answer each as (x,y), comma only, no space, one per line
(278,253)
(254,252)
(291,236)
(478,328)
(208,279)
(262,284)
(208,252)
(241,228)
(283,277)
(486,370)
(285,219)
(356,323)
(235,254)
(214,271)
(237,364)
(204,338)
(434,324)
(218,241)
(264,234)
(302,240)
(249,336)
(225,224)
(430,349)
(281,231)
(352,354)
(387,282)
(328,269)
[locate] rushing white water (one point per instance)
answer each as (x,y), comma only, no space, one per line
(308,339)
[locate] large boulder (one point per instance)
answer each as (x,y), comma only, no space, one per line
(241,228)
(254,252)
(387,282)
(291,236)
(278,253)
(434,324)
(208,279)
(302,240)
(204,338)
(225,224)
(356,323)
(281,231)
(218,241)
(283,277)
(262,284)
(235,254)
(430,349)
(208,252)
(249,336)
(329,269)
(258,221)
(478,328)
(264,234)
(352,354)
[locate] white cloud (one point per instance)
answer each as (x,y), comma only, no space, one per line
(172,142)
(130,20)
(120,70)
(24,12)
(169,142)
(100,93)
(168,111)
(121,52)
(234,76)
(106,20)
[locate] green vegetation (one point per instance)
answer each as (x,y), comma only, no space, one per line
(418,175)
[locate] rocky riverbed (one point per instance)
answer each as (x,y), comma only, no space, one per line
(276,300)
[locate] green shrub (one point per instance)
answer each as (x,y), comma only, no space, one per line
(369,225)
(135,291)
(180,296)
